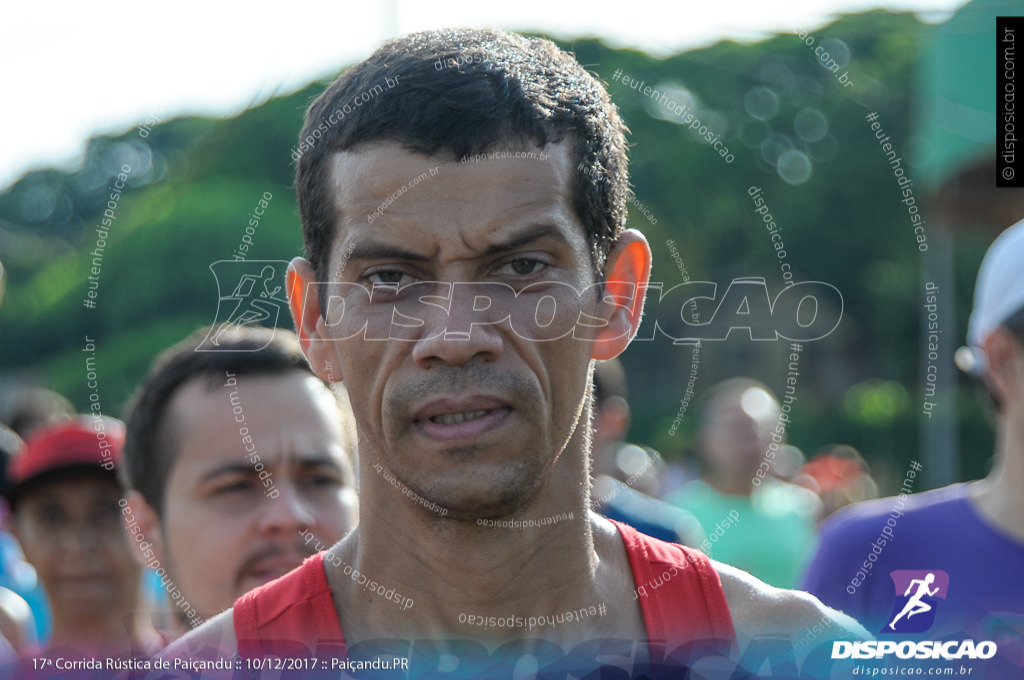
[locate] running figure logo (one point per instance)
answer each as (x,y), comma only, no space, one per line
(916,598)
(256,297)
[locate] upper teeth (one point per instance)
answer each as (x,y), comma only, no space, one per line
(456,418)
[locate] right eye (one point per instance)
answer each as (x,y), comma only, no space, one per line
(389,277)
(50,516)
(238,486)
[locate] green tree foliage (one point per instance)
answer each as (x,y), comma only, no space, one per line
(196,180)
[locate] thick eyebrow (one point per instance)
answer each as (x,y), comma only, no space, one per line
(317,461)
(227,469)
(244,468)
(526,238)
(384,251)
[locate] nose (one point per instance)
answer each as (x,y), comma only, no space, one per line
(482,342)
(472,329)
(288,513)
(83,537)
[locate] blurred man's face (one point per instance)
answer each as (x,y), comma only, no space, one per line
(1004,375)
(738,430)
(471,423)
(224,529)
(70,530)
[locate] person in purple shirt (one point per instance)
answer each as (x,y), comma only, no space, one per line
(964,542)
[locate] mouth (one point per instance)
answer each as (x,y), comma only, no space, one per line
(262,576)
(461,420)
(86,585)
(86,579)
(268,570)
(460,417)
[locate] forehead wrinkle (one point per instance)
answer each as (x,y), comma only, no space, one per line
(357,169)
(360,187)
(293,451)
(525,211)
(358,233)
(430,240)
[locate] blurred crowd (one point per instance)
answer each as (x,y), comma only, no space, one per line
(122,535)
(742,498)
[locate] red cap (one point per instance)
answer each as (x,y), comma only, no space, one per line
(84,441)
(832,472)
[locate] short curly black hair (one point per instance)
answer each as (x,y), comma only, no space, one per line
(460,92)
(148,456)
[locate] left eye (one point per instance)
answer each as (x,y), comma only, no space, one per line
(525,267)
(322,480)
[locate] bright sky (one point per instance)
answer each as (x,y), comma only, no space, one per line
(70,70)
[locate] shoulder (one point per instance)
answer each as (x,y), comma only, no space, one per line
(760,609)
(212,640)
(789,499)
(692,490)
(17,624)
(671,522)
(848,536)
(863,518)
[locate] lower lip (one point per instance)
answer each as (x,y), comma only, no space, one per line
(465,431)
(88,584)
(265,575)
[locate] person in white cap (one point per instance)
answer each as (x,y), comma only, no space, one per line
(973,533)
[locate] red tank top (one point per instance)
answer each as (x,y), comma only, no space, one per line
(680,596)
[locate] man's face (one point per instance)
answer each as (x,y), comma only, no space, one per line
(739,429)
(70,530)
(224,530)
(472,423)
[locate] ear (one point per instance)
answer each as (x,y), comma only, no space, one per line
(1004,359)
(10,525)
(141,519)
(615,418)
(304,303)
(6,516)
(27,547)
(628,270)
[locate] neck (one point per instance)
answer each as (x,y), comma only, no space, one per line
(998,496)
(732,483)
(539,560)
(133,636)
(180,624)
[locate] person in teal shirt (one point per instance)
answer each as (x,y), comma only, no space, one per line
(750,519)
